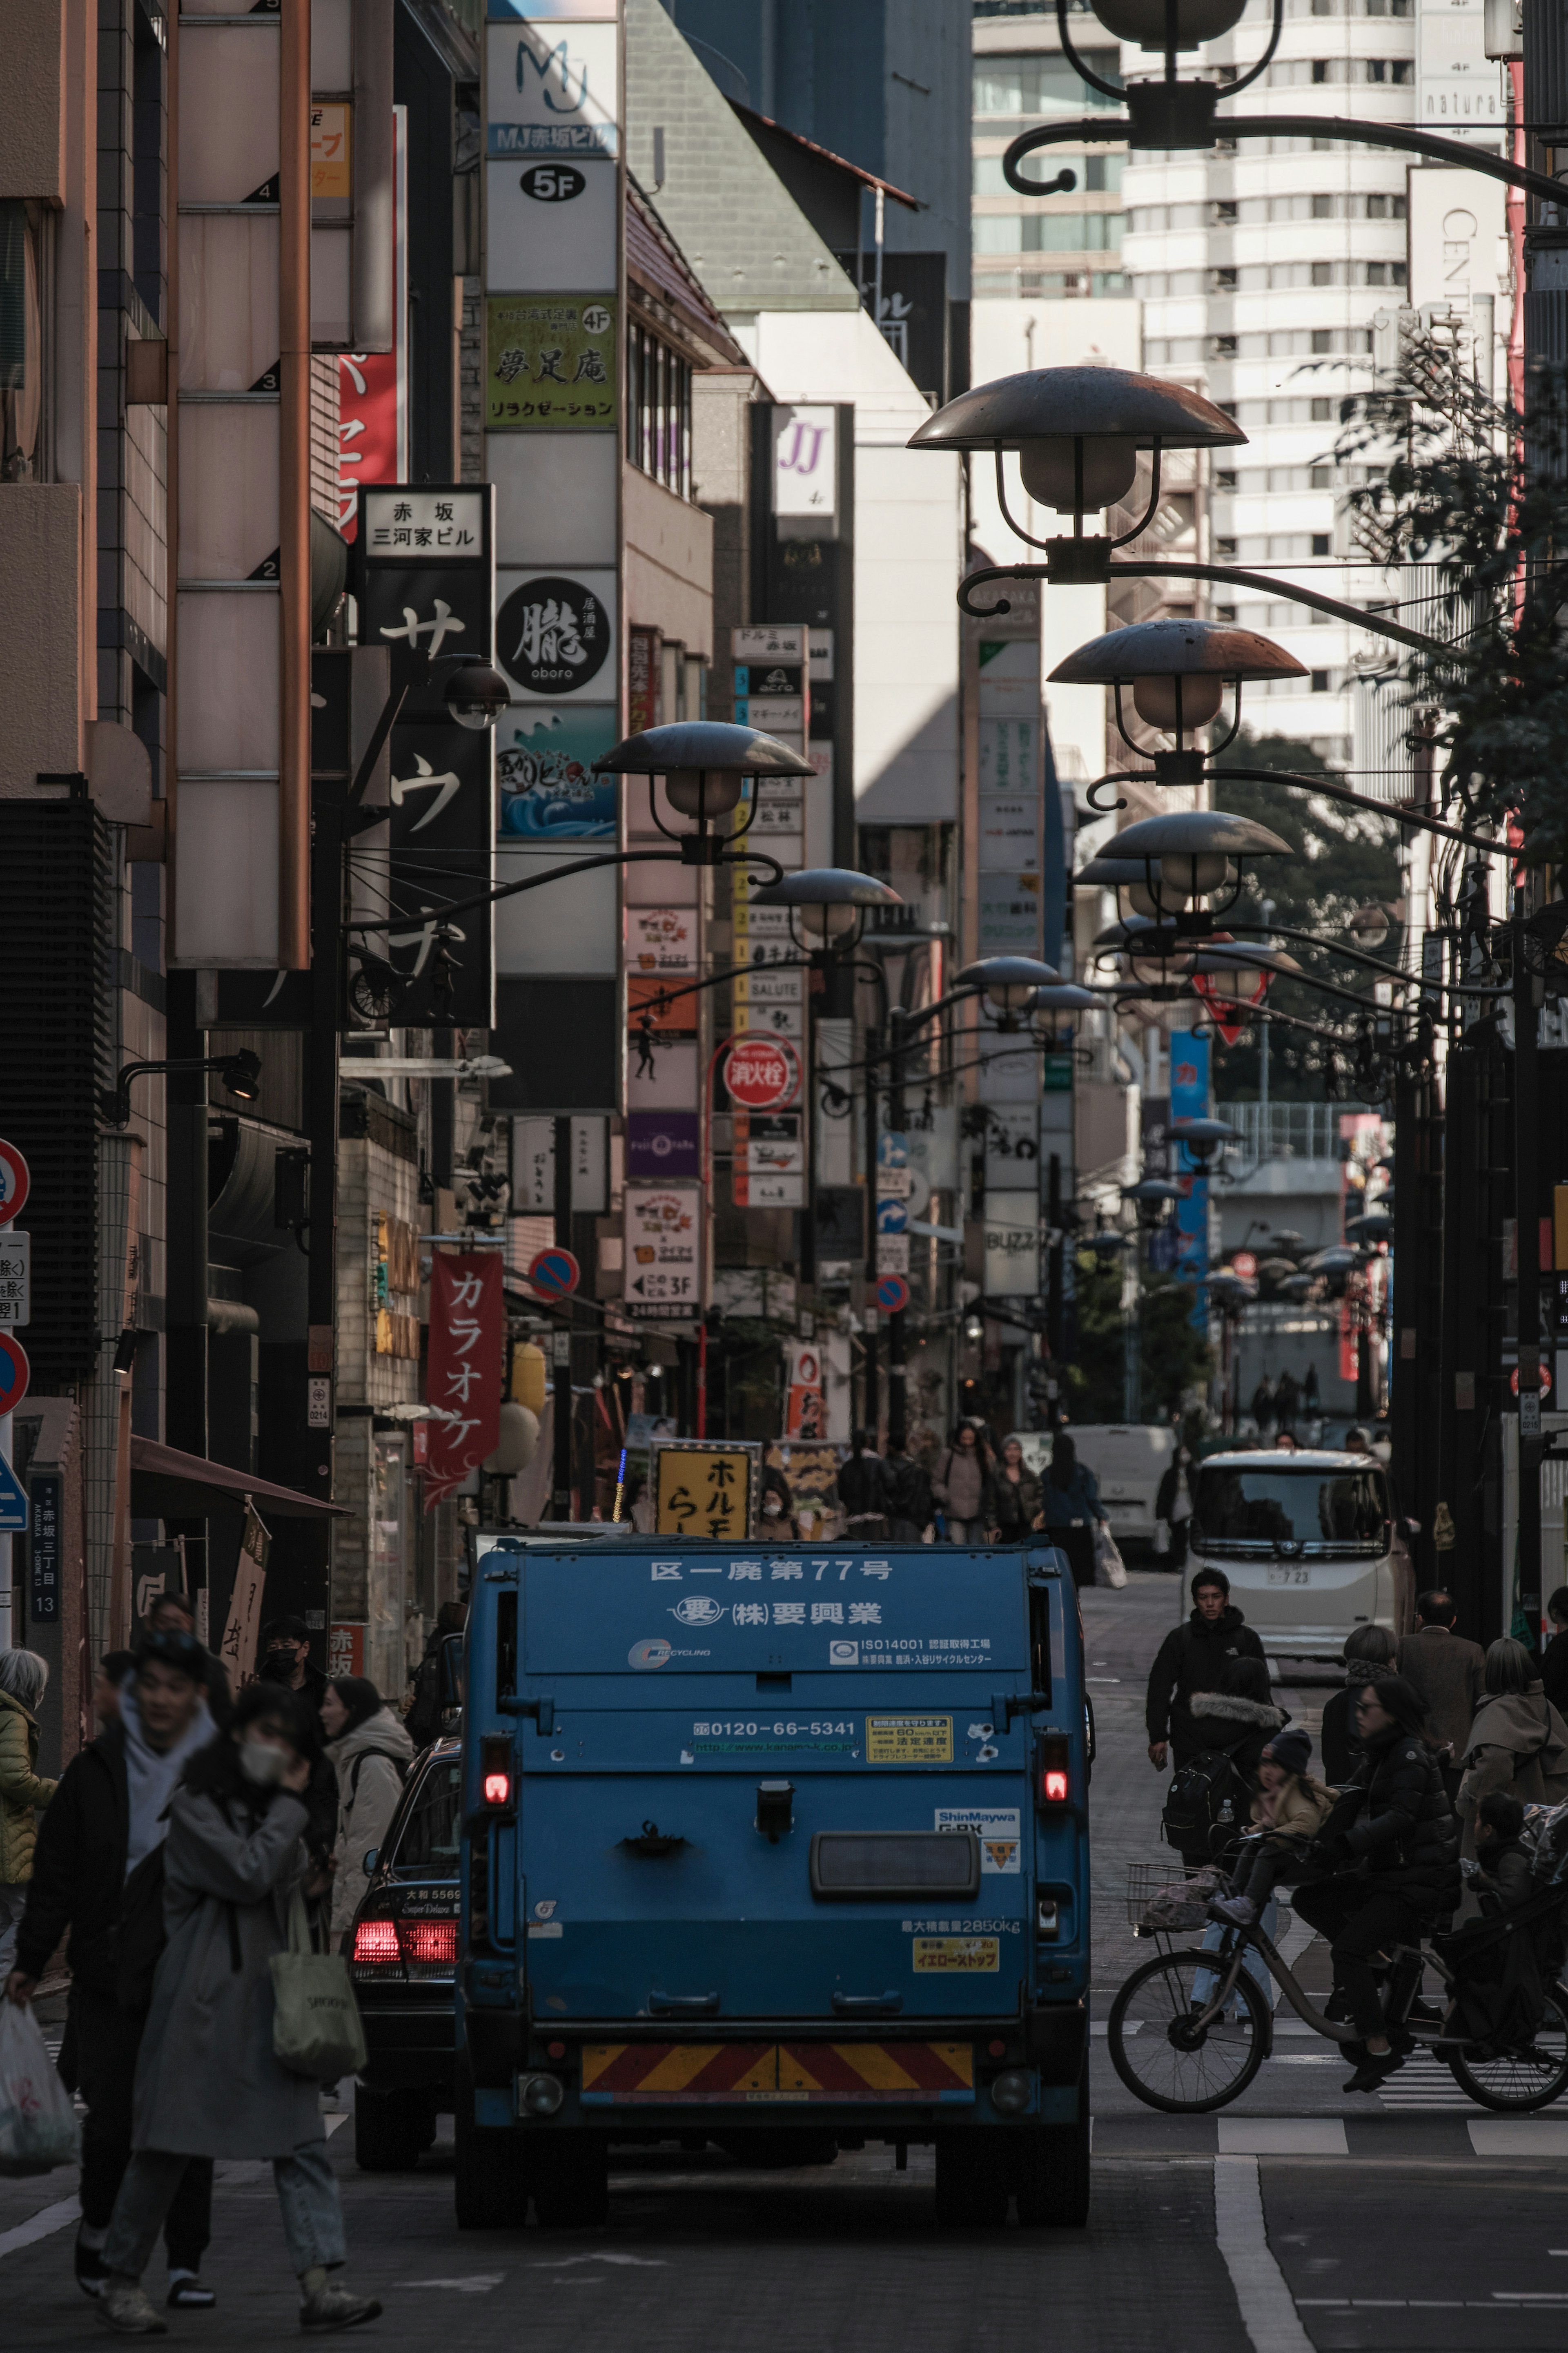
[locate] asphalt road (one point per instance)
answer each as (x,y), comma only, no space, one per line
(1300,2219)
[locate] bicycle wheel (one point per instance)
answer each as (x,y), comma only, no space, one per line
(1161,2058)
(1519,2081)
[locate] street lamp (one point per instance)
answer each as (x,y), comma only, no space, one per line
(831,903)
(1150,952)
(1203,1140)
(1190,856)
(1077,432)
(1154,1199)
(240,1073)
(704,763)
(1010,984)
(1177,672)
(476,695)
(1052,1004)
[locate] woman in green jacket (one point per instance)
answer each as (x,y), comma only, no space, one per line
(23,1795)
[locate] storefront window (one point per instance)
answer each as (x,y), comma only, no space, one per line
(21,343)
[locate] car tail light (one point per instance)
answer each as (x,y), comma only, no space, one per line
(1055,1781)
(430,1941)
(375,1945)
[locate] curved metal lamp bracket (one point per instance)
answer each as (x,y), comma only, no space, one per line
(1106,808)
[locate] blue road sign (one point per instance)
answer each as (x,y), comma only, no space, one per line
(13,1502)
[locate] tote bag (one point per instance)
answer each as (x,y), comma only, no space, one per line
(316,2027)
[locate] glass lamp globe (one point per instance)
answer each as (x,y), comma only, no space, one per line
(1146,21)
(1049,471)
(1196,874)
(703,792)
(829,923)
(1141,897)
(1154,700)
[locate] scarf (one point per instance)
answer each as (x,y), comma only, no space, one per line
(152,1776)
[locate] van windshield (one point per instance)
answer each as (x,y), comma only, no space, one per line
(1261,1511)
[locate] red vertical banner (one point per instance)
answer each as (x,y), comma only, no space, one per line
(642,676)
(464,1374)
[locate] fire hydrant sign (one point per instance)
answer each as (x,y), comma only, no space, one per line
(663,1242)
(762,1074)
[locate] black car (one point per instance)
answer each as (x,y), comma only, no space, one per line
(404,1958)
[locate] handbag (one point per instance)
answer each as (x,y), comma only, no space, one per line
(1162,1539)
(1110,1568)
(315,2026)
(37,2121)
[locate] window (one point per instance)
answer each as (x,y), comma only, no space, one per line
(1325,1512)
(1320,682)
(1042,83)
(21,342)
(1321,543)
(659,410)
(428,1833)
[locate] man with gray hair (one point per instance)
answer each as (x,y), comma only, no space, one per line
(24,1677)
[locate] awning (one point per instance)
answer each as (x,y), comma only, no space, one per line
(168,1485)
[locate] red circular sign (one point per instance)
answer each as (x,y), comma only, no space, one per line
(14,1372)
(1244,1264)
(1545,1379)
(15,1183)
(762,1074)
(555,1271)
(892,1293)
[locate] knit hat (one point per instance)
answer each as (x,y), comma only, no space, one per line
(1291,1748)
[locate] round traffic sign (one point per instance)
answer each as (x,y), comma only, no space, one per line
(892,1292)
(1244,1264)
(14,1372)
(1545,1379)
(15,1183)
(762,1074)
(555,1272)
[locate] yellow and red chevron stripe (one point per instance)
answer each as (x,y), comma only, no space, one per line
(704,2074)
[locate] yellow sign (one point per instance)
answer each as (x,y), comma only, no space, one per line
(330,135)
(909,1740)
(978,1954)
(702,1490)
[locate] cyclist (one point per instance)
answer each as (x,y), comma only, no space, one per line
(1396,1864)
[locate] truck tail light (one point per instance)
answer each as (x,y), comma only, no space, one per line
(497,1789)
(495,1769)
(1055,1784)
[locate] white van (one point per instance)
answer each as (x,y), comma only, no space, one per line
(1310,1544)
(1129,1459)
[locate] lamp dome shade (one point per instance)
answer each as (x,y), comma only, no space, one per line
(1145,21)
(1056,403)
(1009,972)
(1200,833)
(1176,649)
(1111,874)
(702,743)
(826,886)
(1065,996)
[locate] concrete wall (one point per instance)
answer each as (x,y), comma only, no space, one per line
(40,617)
(32,140)
(669,562)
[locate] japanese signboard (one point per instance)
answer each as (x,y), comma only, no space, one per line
(552,88)
(464,1370)
(551,363)
(47,1490)
(708,1489)
(237,1649)
(555,634)
(533,1166)
(663,1232)
(15,1277)
(544,766)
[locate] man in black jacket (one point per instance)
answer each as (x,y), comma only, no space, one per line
(1396,1866)
(865,1492)
(1193,1658)
(104,1823)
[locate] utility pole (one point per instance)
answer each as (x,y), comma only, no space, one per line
(897,1385)
(873,1040)
(1055,1301)
(561,1339)
(1529,989)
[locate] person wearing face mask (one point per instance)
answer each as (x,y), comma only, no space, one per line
(208,2083)
(778,1505)
(96,1855)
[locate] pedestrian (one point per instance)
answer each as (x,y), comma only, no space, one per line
(1287,1401)
(865,1490)
(106,1822)
(287,1645)
(778,1505)
(1016,1496)
(1447,1671)
(1554,1657)
(1395,1867)
(111,1671)
(1263,1405)
(1311,1395)
(1285,1441)
(1368,1654)
(960,1484)
(208,2083)
(912,1508)
(1518,1742)
(370,1752)
(173,1613)
(1070,1508)
(1174,1508)
(1358,1440)
(1291,1808)
(24,1677)
(1501,1869)
(1192,1658)
(424,1717)
(1241,1717)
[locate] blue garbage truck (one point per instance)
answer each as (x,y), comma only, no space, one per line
(783,1849)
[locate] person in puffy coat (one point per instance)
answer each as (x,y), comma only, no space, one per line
(371,1753)
(1395,1867)
(1368,1655)
(1241,1718)
(24,1677)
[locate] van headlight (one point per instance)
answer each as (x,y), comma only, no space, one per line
(1011,2092)
(541,2095)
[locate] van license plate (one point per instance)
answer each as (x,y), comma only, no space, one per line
(1290,1576)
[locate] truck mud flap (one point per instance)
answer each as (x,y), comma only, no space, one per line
(795,2074)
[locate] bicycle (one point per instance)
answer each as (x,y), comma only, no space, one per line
(1188,2057)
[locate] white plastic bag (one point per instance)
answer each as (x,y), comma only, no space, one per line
(37,2121)
(1162,1539)
(1110,1568)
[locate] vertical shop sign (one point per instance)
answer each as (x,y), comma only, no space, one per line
(468,1335)
(1190,1099)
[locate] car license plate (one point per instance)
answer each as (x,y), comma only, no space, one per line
(1290,1576)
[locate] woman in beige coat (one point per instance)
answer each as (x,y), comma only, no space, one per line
(1518,1743)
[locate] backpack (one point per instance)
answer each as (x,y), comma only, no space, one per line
(362,1761)
(1206,1805)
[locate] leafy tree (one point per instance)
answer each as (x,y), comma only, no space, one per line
(1176,1356)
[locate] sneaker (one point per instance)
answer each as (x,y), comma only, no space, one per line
(126,2309)
(337,2307)
(92,2271)
(1235,1911)
(186,2293)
